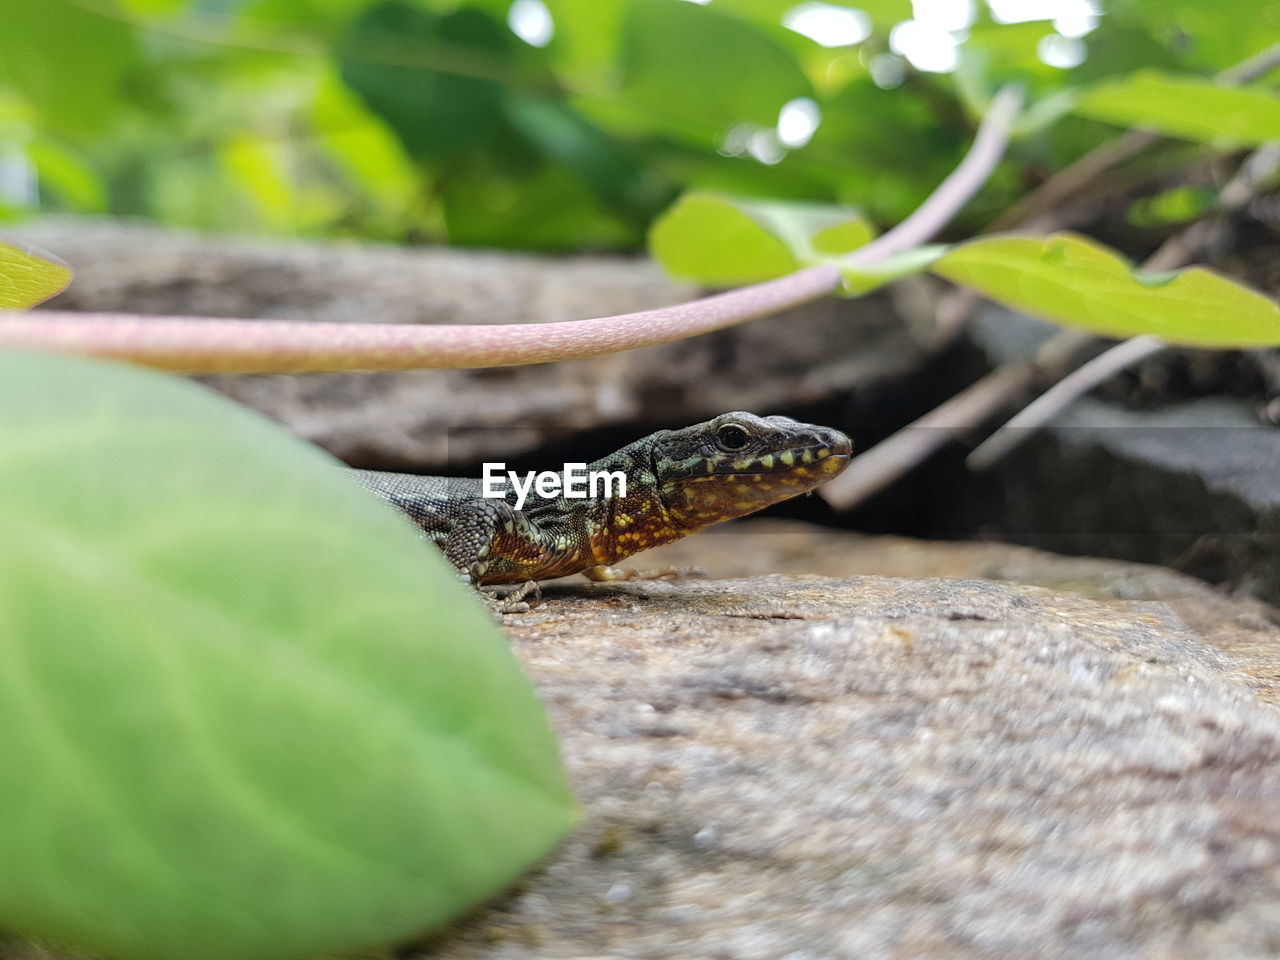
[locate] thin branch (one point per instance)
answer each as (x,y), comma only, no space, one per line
(1071,179)
(1255,68)
(1177,251)
(880,466)
(897,454)
(195,345)
(1062,394)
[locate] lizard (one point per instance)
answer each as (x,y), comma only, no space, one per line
(678,482)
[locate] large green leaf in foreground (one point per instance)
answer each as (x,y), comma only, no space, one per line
(244,711)
(28,277)
(1073,281)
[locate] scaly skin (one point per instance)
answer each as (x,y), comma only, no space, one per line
(678,482)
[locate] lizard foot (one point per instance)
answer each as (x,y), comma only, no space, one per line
(604,573)
(514,601)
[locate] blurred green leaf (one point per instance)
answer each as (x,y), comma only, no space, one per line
(547,209)
(433,78)
(847,233)
(586,40)
(67,60)
(152,8)
(1178,205)
(1122,47)
(69,176)
(1181,106)
(29,276)
(860,280)
(1073,281)
(714,241)
(259,166)
(724,241)
(892,151)
(252,714)
(363,146)
(1210,36)
(564,134)
(694,73)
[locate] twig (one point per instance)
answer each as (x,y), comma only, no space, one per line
(884,463)
(1255,68)
(1066,391)
(194,345)
(1178,250)
(895,455)
(1072,178)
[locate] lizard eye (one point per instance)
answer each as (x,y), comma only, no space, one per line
(732,437)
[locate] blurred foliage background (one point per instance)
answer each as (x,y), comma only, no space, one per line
(556,124)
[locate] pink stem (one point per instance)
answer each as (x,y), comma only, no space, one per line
(198,345)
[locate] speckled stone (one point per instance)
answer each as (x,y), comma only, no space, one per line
(877,767)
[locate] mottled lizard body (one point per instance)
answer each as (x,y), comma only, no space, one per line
(678,482)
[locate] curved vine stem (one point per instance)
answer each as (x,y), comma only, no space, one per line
(195,345)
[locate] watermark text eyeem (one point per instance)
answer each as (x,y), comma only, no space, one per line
(574,482)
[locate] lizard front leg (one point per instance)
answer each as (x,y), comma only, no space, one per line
(477,534)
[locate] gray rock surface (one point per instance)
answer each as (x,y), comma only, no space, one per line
(866,767)
(947,762)
(434,419)
(1193,485)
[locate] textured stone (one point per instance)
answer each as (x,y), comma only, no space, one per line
(869,767)
(865,767)
(1193,485)
(944,763)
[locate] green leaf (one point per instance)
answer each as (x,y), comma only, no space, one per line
(861,279)
(586,39)
(566,136)
(78,183)
(723,241)
(362,145)
(843,236)
(694,73)
(713,241)
(1188,107)
(434,79)
(1073,281)
(548,210)
(1212,36)
(29,276)
(152,8)
(252,714)
(1177,205)
(67,59)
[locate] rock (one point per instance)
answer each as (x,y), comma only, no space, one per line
(428,420)
(1192,485)
(870,767)
(948,762)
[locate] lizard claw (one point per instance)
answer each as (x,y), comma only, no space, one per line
(515,600)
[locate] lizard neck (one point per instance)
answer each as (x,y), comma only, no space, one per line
(621,526)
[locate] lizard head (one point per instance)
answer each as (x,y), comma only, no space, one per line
(739,463)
